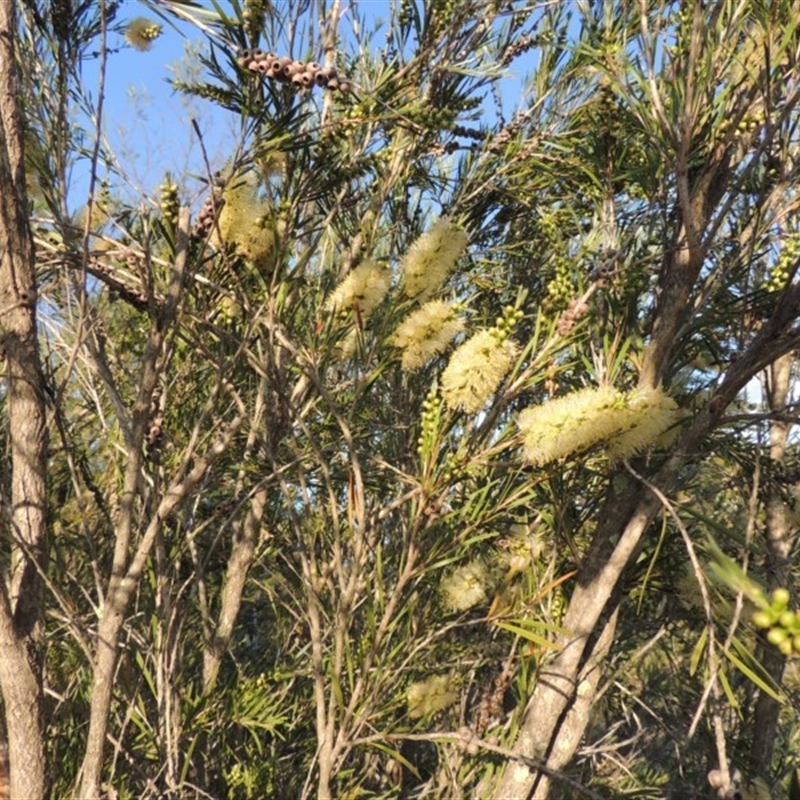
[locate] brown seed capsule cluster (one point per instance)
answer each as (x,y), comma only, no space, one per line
(490,710)
(121,284)
(516,49)
(575,310)
(468,740)
(208,213)
(299,74)
(155,433)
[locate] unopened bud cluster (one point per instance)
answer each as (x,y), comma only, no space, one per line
(783,269)
(504,326)
(254,14)
(431,416)
(561,289)
(782,624)
(168,202)
(300,74)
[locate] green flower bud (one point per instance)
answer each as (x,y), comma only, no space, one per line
(776,636)
(780,598)
(761,619)
(787,619)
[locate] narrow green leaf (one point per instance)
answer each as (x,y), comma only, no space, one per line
(697,653)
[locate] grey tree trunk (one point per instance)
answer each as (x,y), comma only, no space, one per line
(779,535)
(24,522)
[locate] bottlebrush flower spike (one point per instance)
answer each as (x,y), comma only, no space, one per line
(426,333)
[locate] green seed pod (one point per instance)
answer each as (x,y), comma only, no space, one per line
(776,636)
(780,598)
(761,619)
(787,619)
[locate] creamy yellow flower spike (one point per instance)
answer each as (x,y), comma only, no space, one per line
(427,697)
(476,369)
(426,332)
(431,258)
(466,586)
(626,423)
(363,289)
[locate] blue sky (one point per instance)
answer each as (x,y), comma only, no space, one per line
(148,125)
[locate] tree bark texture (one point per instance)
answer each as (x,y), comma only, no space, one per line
(24,519)
(779,536)
(243,550)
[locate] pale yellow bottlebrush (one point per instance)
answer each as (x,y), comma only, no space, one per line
(431,258)
(466,586)
(626,423)
(142,32)
(242,220)
(650,413)
(363,289)
(427,697)
(559,428)
(476,369)
(426,333)
(230,309)
(520,549)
